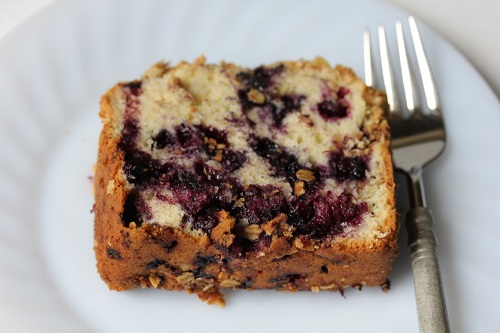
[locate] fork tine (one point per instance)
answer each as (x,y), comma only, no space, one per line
(416,141)
(408,80)
(387,73)
(367,52)
(430,91)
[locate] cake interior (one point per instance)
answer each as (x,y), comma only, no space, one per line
(257,144)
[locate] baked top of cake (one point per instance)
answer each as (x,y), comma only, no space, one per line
(214,176)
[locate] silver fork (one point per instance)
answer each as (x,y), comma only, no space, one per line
(417,138)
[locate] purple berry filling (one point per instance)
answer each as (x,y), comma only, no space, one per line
(141,169)
(233,160)
(334,108)
(260,78)
(206,220)
(261,204)
(284,164)
(209,132)
(134,88)
(188,136)
(319,216)
(242,246)
(347,168)
(163,139)
(135,209)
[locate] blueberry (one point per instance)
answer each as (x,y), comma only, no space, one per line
(284,163)
(163,139)
(334,108)
(347,168)
(134,209)
(134,87)
(287,105)
(261,78)
(331,109)
(188,136)
(113,254)
(155,264)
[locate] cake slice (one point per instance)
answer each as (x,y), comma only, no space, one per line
(218,176)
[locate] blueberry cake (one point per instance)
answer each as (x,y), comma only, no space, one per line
(218,176)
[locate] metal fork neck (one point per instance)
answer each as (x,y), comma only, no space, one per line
(417,198)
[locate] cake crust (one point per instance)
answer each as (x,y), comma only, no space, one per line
(166,257)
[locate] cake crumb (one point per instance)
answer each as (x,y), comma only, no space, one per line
(222,233)
(185,278)
(229,283)
(386,286)
(274,225)
(111,187)
(305,175)
(256,96)
(251,232)
(298,188)
(155,280)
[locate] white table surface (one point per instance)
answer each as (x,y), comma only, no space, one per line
(472,26)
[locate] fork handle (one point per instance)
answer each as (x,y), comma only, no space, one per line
(431,306)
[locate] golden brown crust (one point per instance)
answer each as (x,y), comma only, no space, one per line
(377,103)
(168,258)
(222,234)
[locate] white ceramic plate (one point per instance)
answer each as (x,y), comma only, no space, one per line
(53,70)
